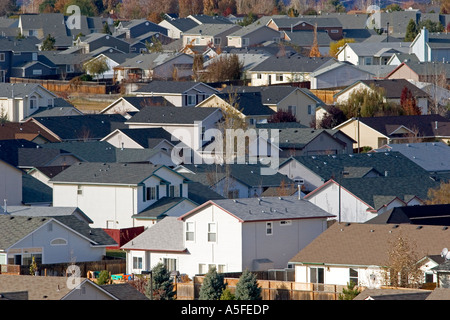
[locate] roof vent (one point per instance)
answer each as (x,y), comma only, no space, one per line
(419,227)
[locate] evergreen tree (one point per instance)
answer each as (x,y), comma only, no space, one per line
(350,292)
(213,286)
(104,278)
(106,29)
(161,284)
(247,287)
(48,44)
(411,31)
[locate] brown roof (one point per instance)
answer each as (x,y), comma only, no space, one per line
(38,288)
(369,244)
(25,130)
(440,294)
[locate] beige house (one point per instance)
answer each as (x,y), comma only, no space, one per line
(209,35)
(375,132)
(252,35)
(20,100)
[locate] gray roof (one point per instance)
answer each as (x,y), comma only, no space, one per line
(321,22)
(296,63)
(41,211)
(299,138)
(251,28)
(183,24)
(166,235)
(14,228)
(19,90)
(365,49)
(28,44)
(269,208)
(160,208)
(148,61)
(163,114)
(106,173)
(306,38)
(432,156)
(211,29)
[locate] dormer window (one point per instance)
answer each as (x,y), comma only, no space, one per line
(33,102)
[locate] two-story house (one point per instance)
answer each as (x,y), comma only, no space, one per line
(20,100)
(231,235)
(113,195)
(209,35)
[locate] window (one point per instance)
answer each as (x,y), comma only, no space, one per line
(137,262)
(191,100)
(354,275)
(217,41)
(202,268)
(34,56)
(32,33)
(27,258)
(69,68)
(245,42)
(221,268)
(269,230)
(190,233)
(170,264)
(316,275)
(233,194)
(37,72)
(212,232)
(368,61)
(172,191)
(80,190)
(310,109)
(58,242)
(33,102)
(258,76)
(279,77)
(334,31)
(151,193)
(292,110)
(2,56)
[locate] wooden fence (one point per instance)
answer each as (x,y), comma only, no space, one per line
(116,266)
(69,87)
(9,269)
(271,290)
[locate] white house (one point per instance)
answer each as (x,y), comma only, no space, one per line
(20,100)
(113,194)
(50,240)
(232,235)
(359,252)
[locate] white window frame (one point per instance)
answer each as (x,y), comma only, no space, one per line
(190,231)
(171,264)
(33,102)
(150,193)
(37,72)
(279,77)
(2,57)
(191,99)
(245,41)
(58,242)
(80,190)
(137,263)
(354,278)
(212,232)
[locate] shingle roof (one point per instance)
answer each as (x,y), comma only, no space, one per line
(299,138)
(43,211)
(424,124)
(163,114)
(19,90)
(9,150)
(124,291)
(250,103)
(161,87)
(166,235)
(82,127)
(296,63)
(159,209)
(370,244)
(432,156)
(28,44)
(329,166)
(267,208)
(35,192)
(392,88)
(148,137)
(210,29)
(16,130)
(106,173)
(419,215)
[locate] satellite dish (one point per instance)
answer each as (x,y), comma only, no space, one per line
(444,252)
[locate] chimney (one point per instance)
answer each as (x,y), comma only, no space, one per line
(299,192)
(436,125)
(5,206)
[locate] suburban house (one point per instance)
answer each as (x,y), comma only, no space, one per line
(152,66)
(145,138)
(235,180)
(67,66)
(436,72)
(114,194)
(20,100)
(232,235)
(285,69)
(431,46)
(300,102)
(136,28)
(112,60)
(54,239)
(359,252)
(337,74)
(330,25)
(178,93)
(128,106)
(361,199)
(391,89)
(432,156)
(434,215)
(371,53)
(375,132)
(315,170)
(176,27)
(249,105)
(214,35)
(306,40)
(252,35)
(94,41)
(186,125)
